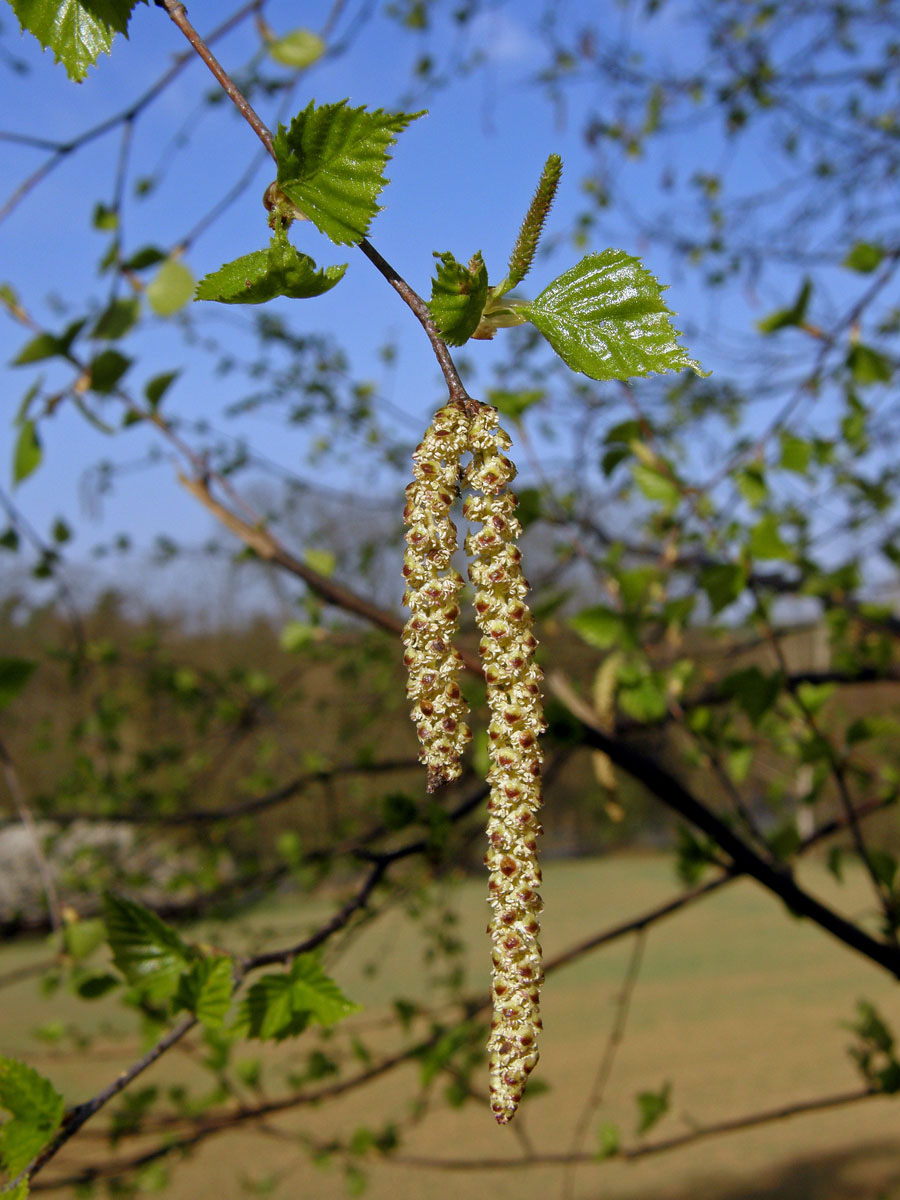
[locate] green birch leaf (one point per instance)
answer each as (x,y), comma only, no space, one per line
(298,49)
(864,257)
(868,365)
(117,318)
(281,270)
(171,288)
(330,164)
(27,454)
(315,991)
(27,1095)
(156,388)
(205,990)
(19,1192)
(281,1006)
(20,1142)
(652,1107)
(723,584)
(785,318)
(606,318)
(48,345)
(147,951)
(458,297)
(765,539)
(77,31)
(106,369)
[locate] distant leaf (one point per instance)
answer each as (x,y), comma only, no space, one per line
(147,951)
(117,318)
(514,404)
(319,994)
(77,31)
(281,270)
(784,318)
(864,257)
(298,49)
(657,485)
(644,697)
(765,539)
(869,366)
(322,561)
(104,218)
(297,634)
(652,1107)
(751,483)
(796,453)
(602,627)
(608,1141)
(27,454)
(156,388)
(147,256)
(458,296)
(723,584)
(281,1006)
(754,691)
(330,163)
(606,318)
(171,288)
(205,990)
(106,369)
(14,675)
(48,345)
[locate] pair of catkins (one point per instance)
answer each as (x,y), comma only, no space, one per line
(513,679)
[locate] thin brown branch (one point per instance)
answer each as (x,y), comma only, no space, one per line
(178,13)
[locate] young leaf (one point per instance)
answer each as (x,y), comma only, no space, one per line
(530,234)
(330,164)
(869,366)
(77,31)
(26,1095)
(458,296)
(156,388)
(28,453)
(606,318)
(785,318)
(36,1109)
(205,990)
(278,271)
(281,1006)
(723,584)
(864,257)
(298,49)
(106,369)
(171,288)
(147,951)
(319,994)
(117,318)
(652,1107)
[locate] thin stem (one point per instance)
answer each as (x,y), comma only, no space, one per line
(178,13)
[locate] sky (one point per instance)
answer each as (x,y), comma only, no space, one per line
(461,178)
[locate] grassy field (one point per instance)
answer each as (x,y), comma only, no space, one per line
(738,1006)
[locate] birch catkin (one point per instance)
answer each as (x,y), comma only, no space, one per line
(514,697)
(432,594)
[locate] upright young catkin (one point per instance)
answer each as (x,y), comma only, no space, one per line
(514,697)
(432,594)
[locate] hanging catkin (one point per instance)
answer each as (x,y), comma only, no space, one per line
(432,594)
(514,697)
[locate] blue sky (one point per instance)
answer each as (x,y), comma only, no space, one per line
(461,178)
